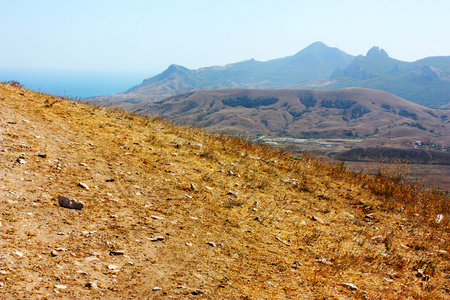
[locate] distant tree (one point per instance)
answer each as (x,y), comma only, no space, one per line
(308,101)
(359,111)
(249,102)
(407,114)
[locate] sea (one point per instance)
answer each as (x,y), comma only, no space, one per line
(76,84)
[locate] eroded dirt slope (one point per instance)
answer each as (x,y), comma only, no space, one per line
(176,213)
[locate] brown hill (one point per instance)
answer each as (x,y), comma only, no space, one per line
(376,116)
(176,213)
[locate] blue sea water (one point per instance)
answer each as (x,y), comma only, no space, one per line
(80,84)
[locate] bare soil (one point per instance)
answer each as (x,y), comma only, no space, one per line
(176,213)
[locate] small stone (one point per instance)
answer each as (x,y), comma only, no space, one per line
(212,244)
(234,194)
(349,285)
(21,161)
(91,258)
(296,265)
(18,253)
(271,284)
(60,286)
(113,267)
(70,203)
(43,155)
(181,286)
(83,164)
(388,279)
(116,252)
(319,220)
(156,288)
(189,244)
(441,252)
(54,253)
(157,238)
(157,217)
(91,285)
(194,187)
(258,219)
(84,186)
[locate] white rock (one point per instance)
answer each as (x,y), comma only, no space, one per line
(156,288)
(212,244)
(317,219)
(113,267)
(18,253)
(84,186)
(349,285)
(157,238)
(60,286)
(157,217)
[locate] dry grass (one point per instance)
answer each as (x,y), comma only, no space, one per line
(281,227)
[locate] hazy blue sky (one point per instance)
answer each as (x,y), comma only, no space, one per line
(152,34)
(142,38)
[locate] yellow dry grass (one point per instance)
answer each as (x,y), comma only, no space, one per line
(231,220)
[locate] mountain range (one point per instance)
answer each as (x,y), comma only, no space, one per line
(318,66)
(378,117)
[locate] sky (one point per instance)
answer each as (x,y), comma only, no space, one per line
(143,37)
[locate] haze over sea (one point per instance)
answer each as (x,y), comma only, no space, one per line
(79,84)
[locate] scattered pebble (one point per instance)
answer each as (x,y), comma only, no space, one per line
(18,253)
(271,284)
(156,288)
(349,285)
(157,217)
(60,286)
(84,186)
(91,285)
(54,253)
(21,161)
(113,267)
(157,238)
(116,252)
(70,203)
(317,219)
(43,155)
(212,244)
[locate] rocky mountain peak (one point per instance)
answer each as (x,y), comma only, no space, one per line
(376,51)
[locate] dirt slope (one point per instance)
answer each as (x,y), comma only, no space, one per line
(176,213)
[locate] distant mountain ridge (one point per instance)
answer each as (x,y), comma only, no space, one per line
(378,117)
(314,62)
(318,66)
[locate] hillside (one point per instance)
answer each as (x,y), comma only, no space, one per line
(378,117)
(177,213)
(425,81)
